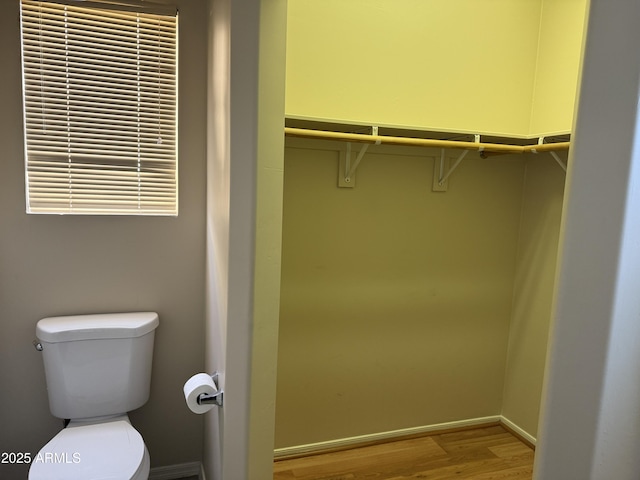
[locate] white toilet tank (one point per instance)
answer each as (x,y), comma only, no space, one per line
(97,365)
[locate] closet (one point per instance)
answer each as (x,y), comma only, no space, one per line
(409,303)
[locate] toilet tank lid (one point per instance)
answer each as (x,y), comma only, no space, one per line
(97,326)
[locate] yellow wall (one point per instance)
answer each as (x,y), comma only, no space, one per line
(533,291)
(390,280)
(502,67)
(559,54)
(390,287)
(461,65)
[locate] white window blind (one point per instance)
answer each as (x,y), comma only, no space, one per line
(100,109)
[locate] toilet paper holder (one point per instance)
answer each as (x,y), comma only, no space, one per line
(216,398)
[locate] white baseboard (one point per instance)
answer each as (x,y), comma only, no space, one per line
(171,472)
(311,448)
(509,424)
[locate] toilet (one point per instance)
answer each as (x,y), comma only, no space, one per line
(97,368)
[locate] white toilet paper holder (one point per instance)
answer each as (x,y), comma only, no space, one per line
(216,398)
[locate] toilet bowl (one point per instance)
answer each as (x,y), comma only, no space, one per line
(111,450)
(98,368)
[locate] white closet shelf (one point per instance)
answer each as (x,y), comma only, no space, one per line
(482,147)
(442,169)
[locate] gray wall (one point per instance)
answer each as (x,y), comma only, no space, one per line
(54,265)
(590,427)
(244,224)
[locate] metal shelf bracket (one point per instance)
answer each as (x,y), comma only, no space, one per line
(555,156)
(562,164)
(347,170)
(442,171)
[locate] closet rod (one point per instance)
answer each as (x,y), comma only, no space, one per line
(424,142)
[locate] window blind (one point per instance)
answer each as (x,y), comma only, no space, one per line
(100,109)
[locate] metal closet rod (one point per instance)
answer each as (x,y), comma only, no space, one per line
(424,142)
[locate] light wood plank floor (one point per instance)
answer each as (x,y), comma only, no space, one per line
(488,453)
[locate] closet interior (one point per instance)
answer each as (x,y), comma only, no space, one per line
(425,156)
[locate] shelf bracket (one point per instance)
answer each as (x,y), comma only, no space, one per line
(540,142)
(562,164)
(555,156)
(347,170)
(350,169)
(439,176)
(476,139)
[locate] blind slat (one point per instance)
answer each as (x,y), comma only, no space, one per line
(100,110)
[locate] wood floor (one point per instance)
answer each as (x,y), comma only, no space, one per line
(481,454)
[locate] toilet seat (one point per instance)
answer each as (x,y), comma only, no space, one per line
(104,451)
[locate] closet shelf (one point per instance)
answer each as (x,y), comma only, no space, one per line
(442,169)
(425,142)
